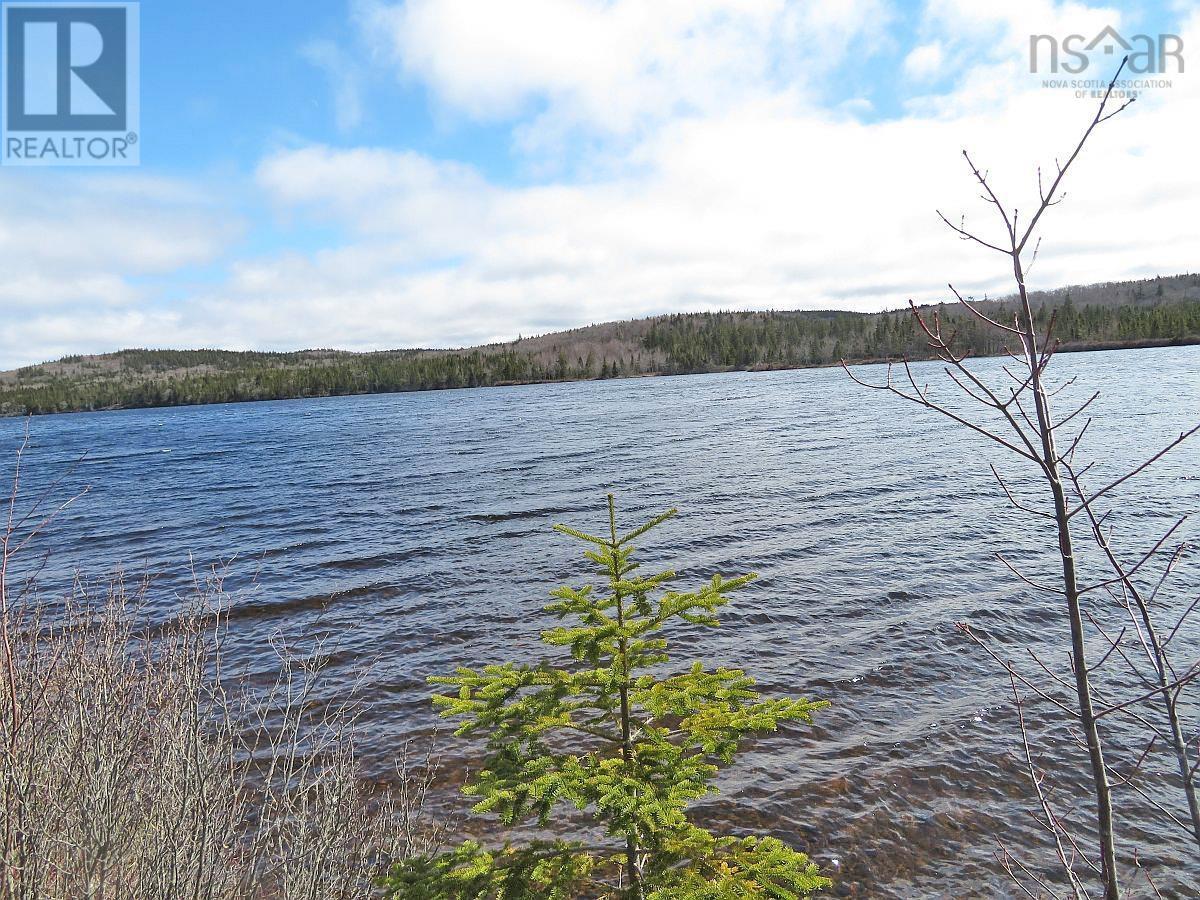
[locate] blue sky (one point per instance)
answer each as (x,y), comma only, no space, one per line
(225,82)
(378,173)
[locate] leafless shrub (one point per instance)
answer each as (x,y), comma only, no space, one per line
(132,765)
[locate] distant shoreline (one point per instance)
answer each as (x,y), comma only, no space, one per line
(1072,347)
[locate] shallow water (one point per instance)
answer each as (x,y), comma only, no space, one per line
(416,528)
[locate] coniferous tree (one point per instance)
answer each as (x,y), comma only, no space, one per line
(617,737)
(697,342)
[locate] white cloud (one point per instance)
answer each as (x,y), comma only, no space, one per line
(346,80)
(612,68)
(104,225)
(925,61)
(76,251)
(377,191)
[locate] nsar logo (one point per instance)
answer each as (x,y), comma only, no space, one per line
(70,84)
(1073,54)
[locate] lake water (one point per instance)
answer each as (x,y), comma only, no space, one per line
(416,528)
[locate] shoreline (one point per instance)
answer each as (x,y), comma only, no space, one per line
(1074,347)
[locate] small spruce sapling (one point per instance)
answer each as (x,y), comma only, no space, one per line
(618,738)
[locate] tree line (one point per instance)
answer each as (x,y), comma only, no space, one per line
(679,344)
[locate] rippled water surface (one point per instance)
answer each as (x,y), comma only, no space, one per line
(416,527)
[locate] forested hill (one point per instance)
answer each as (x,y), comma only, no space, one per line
(1121,314)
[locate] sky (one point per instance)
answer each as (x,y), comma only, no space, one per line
(364,174)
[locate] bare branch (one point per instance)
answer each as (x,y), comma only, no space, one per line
(1062,170)
(1137,470)
(968,236)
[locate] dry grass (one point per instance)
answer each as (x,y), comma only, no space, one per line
(132,766)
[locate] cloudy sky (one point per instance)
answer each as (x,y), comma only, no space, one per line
(371,174)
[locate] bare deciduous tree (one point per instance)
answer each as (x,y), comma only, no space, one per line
(1019,416)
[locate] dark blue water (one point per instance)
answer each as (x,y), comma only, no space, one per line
(415,528)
